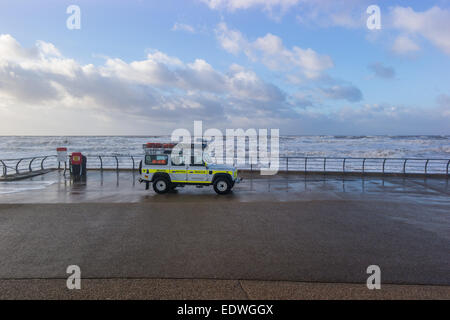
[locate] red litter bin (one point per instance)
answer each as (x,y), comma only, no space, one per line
(77,164)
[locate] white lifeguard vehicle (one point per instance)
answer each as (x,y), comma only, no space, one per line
(167,170)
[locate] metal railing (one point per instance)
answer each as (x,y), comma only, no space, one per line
(364,165)
(336,165)
(27,165)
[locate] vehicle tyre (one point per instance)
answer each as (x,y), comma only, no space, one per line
(222,185)
(161,185)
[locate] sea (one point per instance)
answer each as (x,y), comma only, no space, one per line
(421,146)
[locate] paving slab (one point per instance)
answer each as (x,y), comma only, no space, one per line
(206,289)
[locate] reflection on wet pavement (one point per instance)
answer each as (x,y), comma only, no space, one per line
(123,186)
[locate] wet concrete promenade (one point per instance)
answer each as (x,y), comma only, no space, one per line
(123,186)
(289,228)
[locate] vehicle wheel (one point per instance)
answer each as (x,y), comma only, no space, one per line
(161,185)
(222,185)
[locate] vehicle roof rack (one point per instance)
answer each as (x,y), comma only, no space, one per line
(158,145)
(169,146)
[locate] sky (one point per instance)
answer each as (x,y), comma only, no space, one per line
(149,67)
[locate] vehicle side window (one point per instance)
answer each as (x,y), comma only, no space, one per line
(197,161)
(153,159)
(177,160)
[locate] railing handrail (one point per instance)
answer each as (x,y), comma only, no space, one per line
(281,157)
(302,157)
(367,158)
(29,158)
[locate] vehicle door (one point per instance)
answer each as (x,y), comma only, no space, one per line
(178,172)
(196,170)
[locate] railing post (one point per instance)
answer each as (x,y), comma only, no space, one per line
(384,161)
(42,163)
(324,165)
(448,163)
(404,166)
(29,166)
(306,163)
(117,163)
(364,162)
(426,165)
(4,168)
(133,162)
(17,166)
(101,162)
(287,164)
(343,165)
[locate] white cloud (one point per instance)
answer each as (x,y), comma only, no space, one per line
(159,88)
(348,14)
(332,13)
(267,5)
(432,24)
(232,41)
(11,50)
(247,85)
(47,49)
(160,57)
(271,51)
(183,27)
(403,44)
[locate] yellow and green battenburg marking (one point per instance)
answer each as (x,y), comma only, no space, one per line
(187,171)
